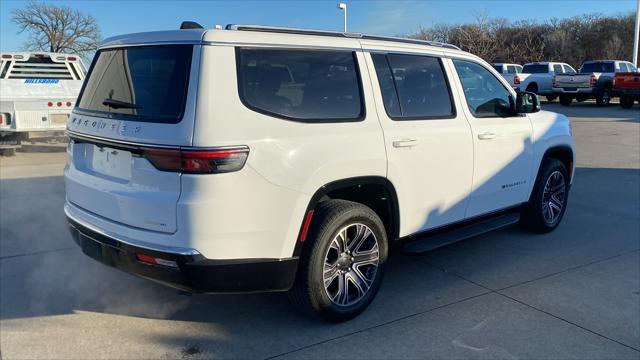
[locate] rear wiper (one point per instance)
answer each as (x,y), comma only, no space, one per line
(117,104)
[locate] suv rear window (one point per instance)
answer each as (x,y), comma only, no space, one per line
(597,67)
(535,69)
(301,85)
(138,83)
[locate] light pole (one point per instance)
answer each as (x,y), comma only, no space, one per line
(343,7)
(635,35)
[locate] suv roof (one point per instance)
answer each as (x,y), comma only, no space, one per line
(197,36)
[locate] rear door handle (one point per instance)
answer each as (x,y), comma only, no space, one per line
(486,136)
(404,143)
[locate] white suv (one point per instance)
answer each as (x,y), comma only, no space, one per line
(271,159)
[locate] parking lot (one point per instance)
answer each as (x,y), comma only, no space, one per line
(573,293)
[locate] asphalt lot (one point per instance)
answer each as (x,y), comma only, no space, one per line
(574,293)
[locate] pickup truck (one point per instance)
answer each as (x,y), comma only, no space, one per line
(537,77)
(508,72)
(594,80)
(627,86)
(38,90)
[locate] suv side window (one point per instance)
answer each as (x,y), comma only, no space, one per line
(413,87)
(485,95)
(301,85)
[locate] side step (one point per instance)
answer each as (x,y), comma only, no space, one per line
(430,242)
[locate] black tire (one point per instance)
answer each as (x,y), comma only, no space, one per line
(533,217)
(626,101)
(533,87)
(604,98)
(551,98)
(565,100)
(308,292)
(8,152)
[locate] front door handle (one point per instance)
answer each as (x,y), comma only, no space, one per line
(404,143)
(486,136)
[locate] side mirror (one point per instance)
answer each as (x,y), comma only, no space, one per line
(527,102)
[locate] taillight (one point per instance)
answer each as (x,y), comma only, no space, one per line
(68,103)
(593,79)
(71,58)
(5,119)
(49,104)
(59,103)
(214,161)
(516,80)
(6,56)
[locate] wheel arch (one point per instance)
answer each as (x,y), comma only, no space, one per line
(376,192)
(564,153)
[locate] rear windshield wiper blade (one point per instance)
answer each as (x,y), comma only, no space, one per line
(117,104)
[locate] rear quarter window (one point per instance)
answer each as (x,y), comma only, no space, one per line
(301,85)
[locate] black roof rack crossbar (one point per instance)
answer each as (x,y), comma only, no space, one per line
(288,30)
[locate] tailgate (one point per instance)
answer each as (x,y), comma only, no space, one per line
(573,81)
(133,98)
(627,80)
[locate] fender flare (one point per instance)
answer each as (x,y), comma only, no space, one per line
(350,182)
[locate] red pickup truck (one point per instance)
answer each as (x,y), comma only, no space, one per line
(627,85)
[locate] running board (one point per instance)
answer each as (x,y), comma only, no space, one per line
(430,242)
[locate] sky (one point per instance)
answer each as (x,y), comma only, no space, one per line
(374,17)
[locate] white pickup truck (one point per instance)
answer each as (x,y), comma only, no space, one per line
(38,90)
(508,72)
(537,77)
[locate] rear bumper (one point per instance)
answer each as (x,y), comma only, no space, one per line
(623,91)
(572,91)
(192,271)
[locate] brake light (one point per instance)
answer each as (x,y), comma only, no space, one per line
(71,58)
(214,161)
(49,104)
(516,80)
(59,103)
(6,56)
(5,119)
(593,79)
(68,103)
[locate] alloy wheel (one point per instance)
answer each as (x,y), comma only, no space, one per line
(553,197)
(350,264)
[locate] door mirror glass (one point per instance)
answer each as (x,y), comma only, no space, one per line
(527,102)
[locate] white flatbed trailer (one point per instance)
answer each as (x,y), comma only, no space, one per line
(38,91)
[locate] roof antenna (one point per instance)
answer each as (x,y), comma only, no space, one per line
(190,25)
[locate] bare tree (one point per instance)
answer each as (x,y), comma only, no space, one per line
(57,28)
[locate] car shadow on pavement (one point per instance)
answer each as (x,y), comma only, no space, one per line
(589,109)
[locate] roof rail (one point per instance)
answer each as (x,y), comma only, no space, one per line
(288,30)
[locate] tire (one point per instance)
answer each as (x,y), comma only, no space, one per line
(545,209)
(565,100)
(532,88)
(604,98)
(8,152)
(551,98)
(626,101)
(324,248)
